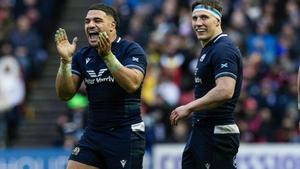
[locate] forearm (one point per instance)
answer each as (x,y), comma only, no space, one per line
(212,99)
(65,87)
(128,79)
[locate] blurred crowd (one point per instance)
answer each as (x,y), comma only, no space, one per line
(266,31)
(23,40)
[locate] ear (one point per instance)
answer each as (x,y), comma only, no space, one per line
(113,26)
(218,22)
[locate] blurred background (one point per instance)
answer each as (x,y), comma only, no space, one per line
(37,130)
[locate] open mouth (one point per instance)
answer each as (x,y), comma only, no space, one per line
(93,35)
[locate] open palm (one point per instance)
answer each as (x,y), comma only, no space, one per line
(64,48)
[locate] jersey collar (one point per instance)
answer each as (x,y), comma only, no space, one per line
(215,39)
(117,40)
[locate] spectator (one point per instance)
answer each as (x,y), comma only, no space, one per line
(12,93)
(28,44)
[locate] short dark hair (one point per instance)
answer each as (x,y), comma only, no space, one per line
(108,10)
(212,3)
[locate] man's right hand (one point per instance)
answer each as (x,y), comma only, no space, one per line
(64,48)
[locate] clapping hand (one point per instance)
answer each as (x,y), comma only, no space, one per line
(64,48)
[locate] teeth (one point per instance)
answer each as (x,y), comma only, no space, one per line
(93,34)
(200,30)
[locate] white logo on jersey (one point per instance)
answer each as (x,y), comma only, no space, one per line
(135,59)
(123,162)
(97,78)
(76,151)
(87,60)
(202,57)
(207,165)
(93,74)
(196,70)
(234,162)
(224,65)
(198,80)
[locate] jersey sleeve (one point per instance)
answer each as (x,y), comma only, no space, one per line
(135,57)
(225,62)
(76,68)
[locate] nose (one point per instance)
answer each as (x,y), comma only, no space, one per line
(91,24)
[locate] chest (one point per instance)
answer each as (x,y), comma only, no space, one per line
(205,69)
(95,71)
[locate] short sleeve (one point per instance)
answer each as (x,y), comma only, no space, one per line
(135,57)
(76,64)
(225,62)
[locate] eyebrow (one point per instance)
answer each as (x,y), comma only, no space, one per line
(87,18)
(200,15)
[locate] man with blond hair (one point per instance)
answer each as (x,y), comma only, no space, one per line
(214,140)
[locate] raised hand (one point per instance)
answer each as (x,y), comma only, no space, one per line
(104,45)
(64,48)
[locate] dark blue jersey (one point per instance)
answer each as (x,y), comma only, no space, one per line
(220,57)
(109,104)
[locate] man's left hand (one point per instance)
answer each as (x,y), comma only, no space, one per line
(104,45)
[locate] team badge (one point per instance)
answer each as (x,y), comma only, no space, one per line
(135,59)
(224,65)
(76,151)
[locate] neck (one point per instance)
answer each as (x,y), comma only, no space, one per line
(218,32)
(113,37)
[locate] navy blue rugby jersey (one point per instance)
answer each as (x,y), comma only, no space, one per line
(109,104)
(220,57)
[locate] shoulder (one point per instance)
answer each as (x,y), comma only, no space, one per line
(226,51)
(224,41)
(131,47)
(135,47)
(129,43)
(83,50)
(225,46)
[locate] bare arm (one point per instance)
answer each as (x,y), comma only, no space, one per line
(222,92)
(218,95)
(129,79)
(66,83)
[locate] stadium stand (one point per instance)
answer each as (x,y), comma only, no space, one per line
(267,32)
